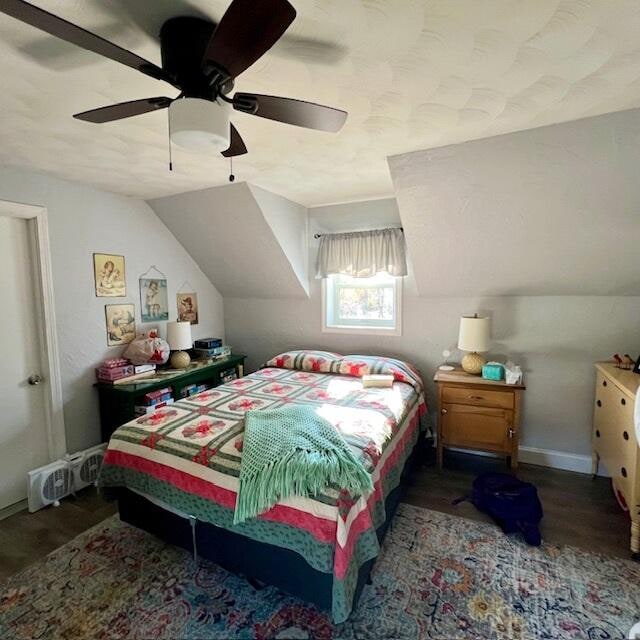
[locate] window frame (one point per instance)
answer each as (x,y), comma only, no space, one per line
(363,328)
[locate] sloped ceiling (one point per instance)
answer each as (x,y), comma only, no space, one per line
(551,211)
(226,232)
(288,222)
(413,74)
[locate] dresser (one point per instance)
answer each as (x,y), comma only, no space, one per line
(614,440)
(118,402)
(478,414)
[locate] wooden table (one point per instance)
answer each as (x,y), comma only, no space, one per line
(478,414)
(117,402)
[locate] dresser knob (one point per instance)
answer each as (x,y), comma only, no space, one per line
(599,403)
(443,411)
(623,401)
(604,383)
(597,433)
(624,472)
(625,435)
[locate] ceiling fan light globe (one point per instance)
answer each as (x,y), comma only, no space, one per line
(199,125)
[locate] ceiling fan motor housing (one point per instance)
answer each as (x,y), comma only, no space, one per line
(183,41)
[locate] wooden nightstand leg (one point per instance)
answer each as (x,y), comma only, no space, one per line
(439,452)
(595,463)
(513,462)
(635,539)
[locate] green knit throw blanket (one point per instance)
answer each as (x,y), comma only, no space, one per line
(292,451)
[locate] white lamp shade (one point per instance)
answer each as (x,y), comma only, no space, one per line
(179,335)
(474,334)
(199,125)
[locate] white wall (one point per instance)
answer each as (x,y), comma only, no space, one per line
(556,339)
(82,221)
(288,221)
(228,234)
(549,211)
(355,216)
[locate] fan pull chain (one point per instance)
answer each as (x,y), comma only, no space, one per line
(231,176)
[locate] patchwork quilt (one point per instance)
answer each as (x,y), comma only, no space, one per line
(188,455)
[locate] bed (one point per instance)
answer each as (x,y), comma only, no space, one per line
(175,473)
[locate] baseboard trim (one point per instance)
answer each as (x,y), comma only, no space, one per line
(549,458)
(13,508)
(558,460)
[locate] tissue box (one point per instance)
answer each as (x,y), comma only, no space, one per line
(493,371)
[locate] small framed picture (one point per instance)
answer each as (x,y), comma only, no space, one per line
(153,299)
(121,323)
(109,275)
(187,307)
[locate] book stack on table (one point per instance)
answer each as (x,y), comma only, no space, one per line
(210,349)
(192,389)
(154,400)
(121,371)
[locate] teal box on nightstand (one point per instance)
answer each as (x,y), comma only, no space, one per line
(493,371)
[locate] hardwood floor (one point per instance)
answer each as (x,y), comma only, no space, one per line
(578,510)
(26,537)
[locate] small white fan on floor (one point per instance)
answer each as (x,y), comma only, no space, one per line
(49,484)
(87,467)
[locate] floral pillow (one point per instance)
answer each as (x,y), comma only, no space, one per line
(305,360)
(358,366)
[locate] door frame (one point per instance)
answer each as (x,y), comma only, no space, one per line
(36,215)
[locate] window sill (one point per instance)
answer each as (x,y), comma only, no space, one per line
(364,331)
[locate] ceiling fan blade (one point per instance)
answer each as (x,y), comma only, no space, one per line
(290,111)
(69,32)
(236,144)
(247,30)
(123,110)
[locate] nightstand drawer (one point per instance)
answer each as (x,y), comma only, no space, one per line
(482,428)
(477,397)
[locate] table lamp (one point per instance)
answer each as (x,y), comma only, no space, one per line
(179,338)
(474,338)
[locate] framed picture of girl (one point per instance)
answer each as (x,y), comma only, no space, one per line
(154,300)
(121,323)
(187,307)
(109,276)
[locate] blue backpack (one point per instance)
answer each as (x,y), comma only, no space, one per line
(512,503)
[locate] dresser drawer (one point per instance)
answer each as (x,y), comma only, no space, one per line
(478,397)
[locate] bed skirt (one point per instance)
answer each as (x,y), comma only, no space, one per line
(267,563)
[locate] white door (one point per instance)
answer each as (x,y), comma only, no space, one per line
(23,444)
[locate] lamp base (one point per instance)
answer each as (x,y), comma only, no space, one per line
(180,360)
(472,363)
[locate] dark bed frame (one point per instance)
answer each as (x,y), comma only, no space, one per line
(257,561)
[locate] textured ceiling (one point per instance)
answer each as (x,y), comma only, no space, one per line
(413,74)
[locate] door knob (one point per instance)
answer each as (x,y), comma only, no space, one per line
(34,379)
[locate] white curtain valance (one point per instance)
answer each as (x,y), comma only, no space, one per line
(362,254)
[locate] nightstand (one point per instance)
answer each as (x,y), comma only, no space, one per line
(478,414)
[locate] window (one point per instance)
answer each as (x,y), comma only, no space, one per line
(362,305)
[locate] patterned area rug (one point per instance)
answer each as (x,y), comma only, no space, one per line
(439,577)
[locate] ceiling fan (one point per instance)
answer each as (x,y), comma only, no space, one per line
(201,59)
